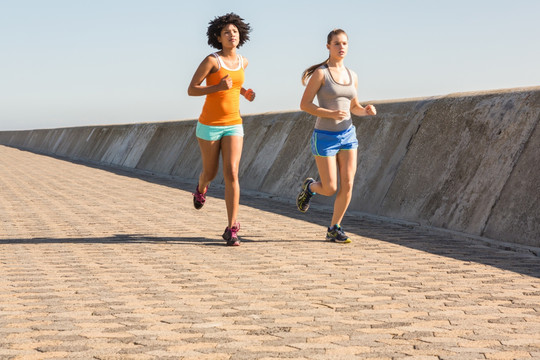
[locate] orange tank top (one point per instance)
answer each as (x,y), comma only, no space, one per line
(222,108)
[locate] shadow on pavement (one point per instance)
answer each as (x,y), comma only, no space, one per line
(116,239)
(494,254)
(463,249)
(123,239)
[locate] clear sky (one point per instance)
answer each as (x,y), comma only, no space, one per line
(87,62)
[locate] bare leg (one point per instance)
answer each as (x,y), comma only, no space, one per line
(327,167)
(210,162)
(231,149)
(346,160)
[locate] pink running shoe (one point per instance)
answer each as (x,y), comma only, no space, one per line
(230,235)
(199,198)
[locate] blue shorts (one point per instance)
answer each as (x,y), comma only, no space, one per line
(213,133)
(329,143)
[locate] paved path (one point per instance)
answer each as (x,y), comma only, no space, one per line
(98,264)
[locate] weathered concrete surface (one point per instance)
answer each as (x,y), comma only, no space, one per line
(383,144)
(463,162)
(517,211)
(460,159)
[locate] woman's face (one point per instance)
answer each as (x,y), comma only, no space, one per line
(339,45)
(229,37)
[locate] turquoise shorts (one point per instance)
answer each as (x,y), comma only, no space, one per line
(213,133)
(329,143)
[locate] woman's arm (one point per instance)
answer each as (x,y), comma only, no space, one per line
(205,68)
(358,109)
(249,94)
(306,104)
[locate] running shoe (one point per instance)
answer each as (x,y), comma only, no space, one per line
(231,235)
(336,234)
(199,198)
(302,200)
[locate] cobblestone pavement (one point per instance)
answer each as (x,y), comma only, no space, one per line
(101,264)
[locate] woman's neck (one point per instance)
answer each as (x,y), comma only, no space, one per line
(339,64)
(227,52)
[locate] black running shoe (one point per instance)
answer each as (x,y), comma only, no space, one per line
(336,234)
(302,200)
(199,198)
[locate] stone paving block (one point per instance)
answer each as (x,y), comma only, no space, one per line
(99,263)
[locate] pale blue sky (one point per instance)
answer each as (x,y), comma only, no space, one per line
(86,62)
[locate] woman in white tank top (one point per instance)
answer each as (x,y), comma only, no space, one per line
(333,142)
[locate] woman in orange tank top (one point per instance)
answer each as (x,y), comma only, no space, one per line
(219,129)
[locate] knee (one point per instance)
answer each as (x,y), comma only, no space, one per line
(230,174)
(346,187)
(328,189)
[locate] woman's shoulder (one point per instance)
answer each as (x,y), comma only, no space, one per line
(321,70)
(245,61)
(212,57)
(354,77)
(211,60)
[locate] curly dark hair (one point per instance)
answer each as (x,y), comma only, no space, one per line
(219,22)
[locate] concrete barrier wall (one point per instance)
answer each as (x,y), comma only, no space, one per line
(465,162)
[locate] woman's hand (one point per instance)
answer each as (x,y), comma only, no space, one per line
(370,110)
(225,83)
(339,115)
(249,94)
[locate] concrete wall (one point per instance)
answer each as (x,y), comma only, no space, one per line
(464,162)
